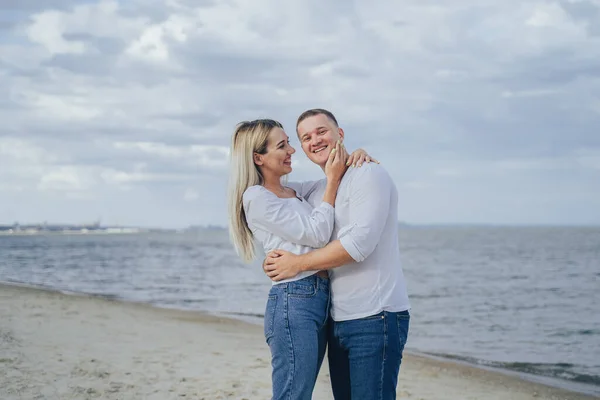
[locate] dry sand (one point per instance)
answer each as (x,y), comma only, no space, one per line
(55,346)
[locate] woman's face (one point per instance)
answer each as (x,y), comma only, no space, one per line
(277,160)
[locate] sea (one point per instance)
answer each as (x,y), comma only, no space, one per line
(521,300)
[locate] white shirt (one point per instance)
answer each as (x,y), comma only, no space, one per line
(366,223)
(290,224)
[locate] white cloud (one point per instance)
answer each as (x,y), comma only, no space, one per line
(197,155)
(111,176)
(66,108)
(529,93)
(152,45)
(47,30)
(65,179)
(18,152)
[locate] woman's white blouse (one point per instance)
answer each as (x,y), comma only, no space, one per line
(290,224)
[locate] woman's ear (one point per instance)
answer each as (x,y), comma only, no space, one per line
(258,159)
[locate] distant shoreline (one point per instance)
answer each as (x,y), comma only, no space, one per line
(38,230)
(111,231)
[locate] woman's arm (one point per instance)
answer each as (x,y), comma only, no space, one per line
(272,214)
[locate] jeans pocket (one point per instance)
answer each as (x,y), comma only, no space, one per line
(302,288)
(269,327)
(403,319)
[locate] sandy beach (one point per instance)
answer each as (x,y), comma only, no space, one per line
(56,346)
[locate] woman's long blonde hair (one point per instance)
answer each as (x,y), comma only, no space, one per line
(249,137)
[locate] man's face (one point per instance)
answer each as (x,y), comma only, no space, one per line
(318,135)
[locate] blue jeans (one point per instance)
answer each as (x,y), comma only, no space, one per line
(365,355)
(296,332)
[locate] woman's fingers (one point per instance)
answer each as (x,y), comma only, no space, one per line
(361,160)
(332,154)
(336,151)
(350,159)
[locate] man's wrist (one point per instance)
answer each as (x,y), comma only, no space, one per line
(302,266)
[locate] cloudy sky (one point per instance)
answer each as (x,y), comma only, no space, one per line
(483,111)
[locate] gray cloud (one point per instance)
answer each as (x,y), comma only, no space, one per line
(34,5)
(109,105)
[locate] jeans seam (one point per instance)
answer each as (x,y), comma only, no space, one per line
(385,343)
(324,324)
(270,319)
(291,349)
(327,309)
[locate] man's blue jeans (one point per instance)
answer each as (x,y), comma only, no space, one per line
(365,355)
(296,332)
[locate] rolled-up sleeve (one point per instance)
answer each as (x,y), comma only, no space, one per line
(272,214)
(368,206)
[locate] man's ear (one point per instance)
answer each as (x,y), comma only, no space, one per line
(341,133)
(258,159)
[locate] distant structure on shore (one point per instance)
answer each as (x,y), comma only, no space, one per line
(45,228)
(204,228)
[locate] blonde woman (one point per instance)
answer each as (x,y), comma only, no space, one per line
(261,208)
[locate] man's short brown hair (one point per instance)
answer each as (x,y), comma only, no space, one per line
(316,111)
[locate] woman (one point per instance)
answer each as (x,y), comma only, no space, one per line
(262,208)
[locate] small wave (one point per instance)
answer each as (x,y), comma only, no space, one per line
(107,296)
(426,296)
(242,314)
(562,371)
(59,289)
(192,301)
(519,277)
(579,332)
(589,332)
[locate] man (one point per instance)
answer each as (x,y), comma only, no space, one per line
(369,301)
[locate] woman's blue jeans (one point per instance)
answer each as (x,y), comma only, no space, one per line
(295,330)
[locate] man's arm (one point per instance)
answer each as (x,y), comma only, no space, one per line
(331,256)
(369,210)
(281,264)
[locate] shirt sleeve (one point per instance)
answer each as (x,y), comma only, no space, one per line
(369,204)
(268,212)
